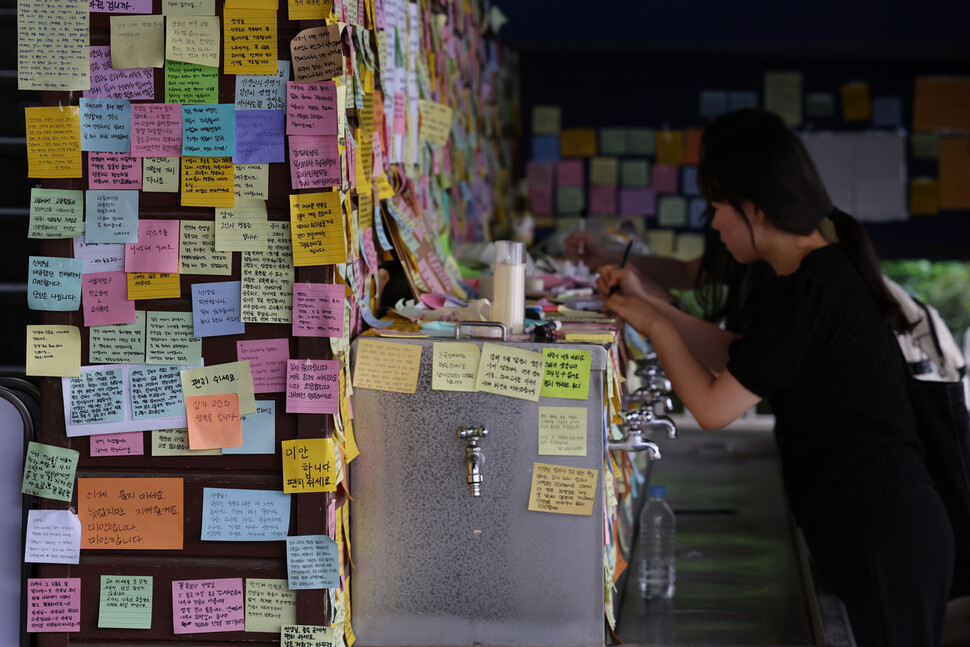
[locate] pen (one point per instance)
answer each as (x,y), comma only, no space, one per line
(626,255)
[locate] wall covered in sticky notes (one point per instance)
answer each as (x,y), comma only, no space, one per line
(193,165)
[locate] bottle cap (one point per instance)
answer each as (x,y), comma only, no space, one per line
(657,491)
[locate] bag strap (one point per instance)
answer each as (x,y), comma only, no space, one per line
(961,370)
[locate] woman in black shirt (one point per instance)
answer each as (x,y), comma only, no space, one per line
(820,347)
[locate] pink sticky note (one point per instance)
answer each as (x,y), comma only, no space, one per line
(637,202)
(370,253)
(378,169)
(54,604)
(351,158)
(569,173)
(267,362)
(157,249)
(602,199)
(156,129)
(541,197)
(665,178)
(130,443)
(203,606)
(318,310)
(400,114)
(313,386)
(311,108)
(113,171)
(539,172)
(314,162)
(104,297)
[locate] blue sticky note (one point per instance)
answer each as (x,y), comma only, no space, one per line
(216,309)
(156,392)
(209,130)
(887,112)
(695,213)
(110,216)
(382,238)
(545,148)
(258,431)
(369,317)
(312,562)
(739,99)
(54,283)
(105,125)
(713,103)
(688,181)
(260,137)
(244,515)
(263,91)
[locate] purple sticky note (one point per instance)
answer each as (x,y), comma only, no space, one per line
(311,108)
(130,443)
(104,298)
(121,6)
(113,171)
(637,202)
(314,162)
(203,606)
(539,172)
(267,362)
(602,199)
(312,386)
(216,309)
(569,173)
(157,249)
(156,129)
(109,83)
(54,604)
(318,310)
(665,178)
(259,137)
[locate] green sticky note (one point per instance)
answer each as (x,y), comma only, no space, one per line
(126,602)
(634,173)
(641,141)
(570,199)
(270,604)
(49,471)
(190,83)
(819,105)
(56,213)
(170,339)
(925,146)
(613,141)
(671,211)
(566,374)
(118,343)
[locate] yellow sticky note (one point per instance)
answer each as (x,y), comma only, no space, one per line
(208,182)
(783,96)
(242,228)
(924,196)
(309,465)
(53,141)
(384,188)
(351,451)
(577,142)
(562,431)
(670,147)
(270,604)
(511,371)
(317,229)
(252,181)
(52,45)
(689,246)
(661,241)
(137,41)
(604,171)
(250,41)
(454,366)
(563,490)
(193,39)
(566,374)
(153,285)
(54,351)
(309,9)
(856,105)
(160,174)
(546,120)
(387,366)
(365,208)
(175,442)
(219,379)
(435,121)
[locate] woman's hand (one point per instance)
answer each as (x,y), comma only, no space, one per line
(635,311)
(584,246)
(624,279)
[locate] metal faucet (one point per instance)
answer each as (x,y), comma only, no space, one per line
(646,420)
(474,458)
(634,441)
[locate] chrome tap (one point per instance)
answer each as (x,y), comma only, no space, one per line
(635,442)
(646,420)
(650,397)
(474,458)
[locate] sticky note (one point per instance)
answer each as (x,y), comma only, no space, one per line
(562,431)
(562,490)
(54,604)
(689,246)
(54,283)
(205,606)
(175,442)
(156,392)
(258,431)
(49,471)
(267,278)
(318,310)
(294,635)
(316,54)
(263,91)
(692,145)
(111,216)
(634,173)
(197,250)
(214,421)
(855,101)
(314,162)
(52,45)
(252,181)
(137,41)
(157,249)
(925,146)
(160,174)
(244,515)
(661,241)
(219,379)
(105,299)
(208,182)
(53,350)
(53,141)
(209,130)
(887,112)
(311,108)
(308,465)
(170,339)
(52,537)
(940,103)
(250,41)
(387,366)
(267,359)
(316,222)
(130,513)
(604,171)
(511,371)
(612,141)
(216,309)
(312,562)
(924,196)
(671,211)
(105,125)
(954,173)
(545,148)
(740,99)
(130,443)
(126,602)
(570,199)
(242,227)
(114,171)
(100,257)
(270,604)
(435,122)
(546,120)
(637,202)
(55,213)
(110,83)
(665,178)
(566,374)
(454,366)
(193,40)
(696,213)
(259,137)
(712,103)
(153,285)
(688,184)
(569,173)
(97,396)
(819,105)
(670,147)
(577,142)
(783,95)
(602,199)
(188,7)
(156,129)
(312,386)
(641,141)
(189,83)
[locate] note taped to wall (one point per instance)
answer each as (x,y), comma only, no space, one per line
(197,250)
(231,514)
(511,371)
(53,141)
(49,471)
(566,373)
(193,40)
(312,562)
(160,174)
(54,604)
(454,366)
(309,465)
(153,285)
(137,41)
(270,604)
(52,537)
(218,379)
(53,350)
(126,602)
(175,442)
(204,606)
(387,366)
(56,213)
(294,635)
(317,229)
(130,513)
(52,45)
(312,386)
(563,490)
(208,182)
(267,360)
(250,41)
(214,421)
(562,431)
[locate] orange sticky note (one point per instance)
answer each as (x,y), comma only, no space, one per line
(208,182)
(53,141)
(214,421)
(856,105)
(153,285)
(942,104)
(924,196)
(130,513)
(577,142)
(670,147)
(692,145)
(955,173)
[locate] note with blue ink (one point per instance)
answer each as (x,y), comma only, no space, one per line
(216,309)
(209,130)
(312,562)
(258,430)
(54,283)
(105,125)
(156,392)
(111,217)
(259,137)
(98,396)
(244,515)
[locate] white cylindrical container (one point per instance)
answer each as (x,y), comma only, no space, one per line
(508,285)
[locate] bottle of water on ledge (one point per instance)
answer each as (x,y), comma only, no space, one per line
(657,536)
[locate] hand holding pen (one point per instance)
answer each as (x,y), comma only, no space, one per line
(626,257)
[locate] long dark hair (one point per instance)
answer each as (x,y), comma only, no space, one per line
(752,156)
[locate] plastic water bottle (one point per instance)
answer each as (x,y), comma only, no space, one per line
(657,531)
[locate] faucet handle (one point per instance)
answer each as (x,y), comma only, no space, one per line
(472,434)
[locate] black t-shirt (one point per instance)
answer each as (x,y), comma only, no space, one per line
(820,352)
